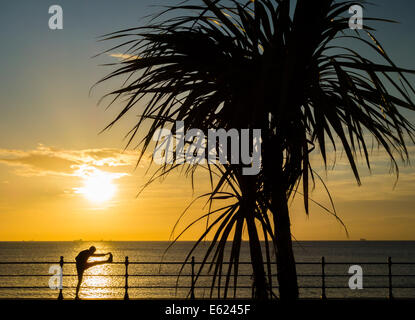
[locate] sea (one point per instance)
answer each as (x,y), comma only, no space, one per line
(153,271)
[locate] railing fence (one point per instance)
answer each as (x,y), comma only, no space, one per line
(192,287)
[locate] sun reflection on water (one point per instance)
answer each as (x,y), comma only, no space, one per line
(94,286)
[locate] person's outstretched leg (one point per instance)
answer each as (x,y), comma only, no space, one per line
(97,263)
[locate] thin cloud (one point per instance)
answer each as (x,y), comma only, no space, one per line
(124,56)
(52,161)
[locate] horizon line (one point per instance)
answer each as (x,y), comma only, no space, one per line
(294,241)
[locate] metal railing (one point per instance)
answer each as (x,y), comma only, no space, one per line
(193,275)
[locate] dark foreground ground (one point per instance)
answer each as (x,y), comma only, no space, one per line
(208,309)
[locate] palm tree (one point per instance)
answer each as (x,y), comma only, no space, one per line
(226,64)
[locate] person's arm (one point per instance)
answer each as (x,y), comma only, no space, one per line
(99,254)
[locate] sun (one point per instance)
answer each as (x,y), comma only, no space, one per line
(98,187)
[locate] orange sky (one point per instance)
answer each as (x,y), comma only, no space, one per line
(40,199)
(52,158)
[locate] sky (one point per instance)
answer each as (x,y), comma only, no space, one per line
(62,180)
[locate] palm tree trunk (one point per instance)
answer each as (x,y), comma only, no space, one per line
(286,268)
(257,260)
(247,184)
(276,186)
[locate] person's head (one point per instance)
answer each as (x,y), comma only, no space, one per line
(92,249)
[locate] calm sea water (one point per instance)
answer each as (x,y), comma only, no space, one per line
(97,286)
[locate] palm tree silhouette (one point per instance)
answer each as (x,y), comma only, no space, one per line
(256,65)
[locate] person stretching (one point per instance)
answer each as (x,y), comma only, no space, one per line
(82,264)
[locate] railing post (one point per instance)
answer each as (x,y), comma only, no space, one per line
(323,278)
(60,297)
(126,297)
(192,288)
(390,277)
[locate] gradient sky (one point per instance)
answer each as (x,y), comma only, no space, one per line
(49,142)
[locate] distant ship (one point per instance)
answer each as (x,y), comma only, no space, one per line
(79,240)
(363,239)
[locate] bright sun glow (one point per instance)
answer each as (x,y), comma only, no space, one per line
(98,187)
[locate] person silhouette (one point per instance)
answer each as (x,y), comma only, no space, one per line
(82,264)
